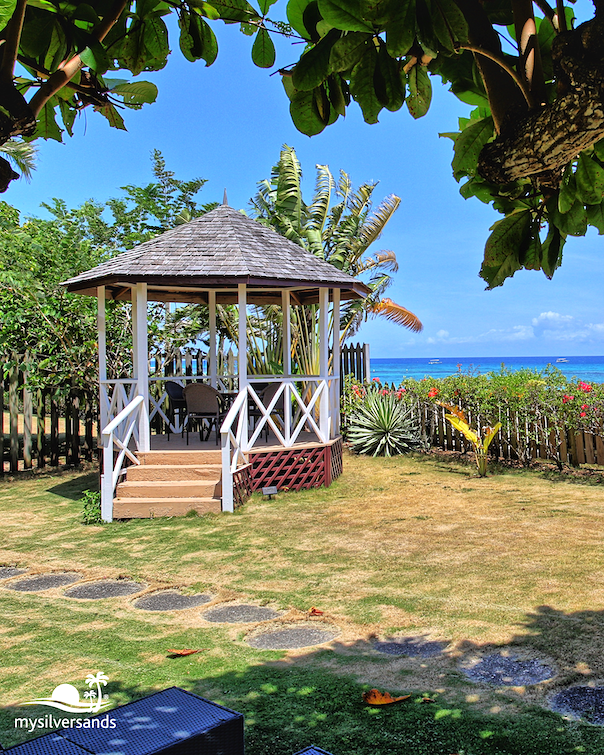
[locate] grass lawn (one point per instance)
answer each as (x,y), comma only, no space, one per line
(407,546)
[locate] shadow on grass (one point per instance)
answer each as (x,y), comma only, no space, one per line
(74,489)
(293,703)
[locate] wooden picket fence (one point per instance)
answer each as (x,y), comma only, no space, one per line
(517,440)
(46,427)
(355,361)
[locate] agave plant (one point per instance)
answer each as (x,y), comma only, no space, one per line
(382,426)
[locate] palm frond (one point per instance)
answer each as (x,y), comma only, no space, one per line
(319,208)
(22,155)
(288,173)
(359,201)
(398,314)
(375,224)
(384,260)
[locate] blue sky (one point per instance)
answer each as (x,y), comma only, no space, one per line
(227,123)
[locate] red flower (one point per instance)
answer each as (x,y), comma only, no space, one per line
(385,392)
(585,387)
(433,392)
(584,406)
(376,380)
(566,399)
(583,414)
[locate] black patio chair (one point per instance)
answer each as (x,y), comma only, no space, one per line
(204,407)
(177,404)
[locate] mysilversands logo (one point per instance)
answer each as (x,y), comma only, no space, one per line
(66,697)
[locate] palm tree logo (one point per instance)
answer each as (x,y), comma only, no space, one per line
(92,680)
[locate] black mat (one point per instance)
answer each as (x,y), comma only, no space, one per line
(289,638)
(509,671)
(44,582)
(238,613)
(170,600)
(416,647)
(104,588)
(10,571)
(581,702)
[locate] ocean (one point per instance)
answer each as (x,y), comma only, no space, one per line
(590,369)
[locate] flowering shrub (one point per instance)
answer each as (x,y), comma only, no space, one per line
(534,407)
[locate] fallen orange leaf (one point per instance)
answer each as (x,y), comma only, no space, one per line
(181,653)
(315,612)
(427,700)
(375,697)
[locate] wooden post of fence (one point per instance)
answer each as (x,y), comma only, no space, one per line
(41,429)
(1,422)
(13,407)
(54,431)
(27,418)
(74,412)
(88,427)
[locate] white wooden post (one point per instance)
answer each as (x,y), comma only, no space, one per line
(287,361)
(213,355)
(335,368)
(101,322)
(142,363)
(242,340)
(227,476)
(107,483)
(324,360)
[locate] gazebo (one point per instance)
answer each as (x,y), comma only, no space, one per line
(223,257)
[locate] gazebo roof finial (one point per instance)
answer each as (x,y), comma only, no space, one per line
(225,201)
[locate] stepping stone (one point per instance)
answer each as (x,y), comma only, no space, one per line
(10,571)
(44,582)
(581,702)
(238,613)
(415,647)
(509,671)
(104,588)
(292,637)
(170,600)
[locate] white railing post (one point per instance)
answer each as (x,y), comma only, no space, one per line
(107,482)
(324,361)
(335,366)
(142,361)
(227,475)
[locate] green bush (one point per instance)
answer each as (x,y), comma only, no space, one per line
(91,507)
(380,424)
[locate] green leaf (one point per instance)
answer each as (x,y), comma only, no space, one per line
(599,150)
(348,50)
(304,113)
(265,5)
(552,251)
(46,126)
(136,92)
(468,145)
(530,257)
(7,8)
(420,91)
(336,94)
(478,188)
(590,180)
(574,222)
(400,31)
(95,57)
(68,115)
(449,23)
(595,217)
(115,119)
(263,49)
(389,81)
(344,14)
(232,11)
(362,86)
(206,9)
(313,67)
(568,190)
(295,15)
(509,239)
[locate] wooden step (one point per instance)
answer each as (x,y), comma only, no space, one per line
(179,457)
(169,489)
(148,508)
(163,472)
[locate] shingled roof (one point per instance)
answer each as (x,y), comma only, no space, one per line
(218,251)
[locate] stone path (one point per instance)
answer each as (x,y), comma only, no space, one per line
(497,669)
(104,588)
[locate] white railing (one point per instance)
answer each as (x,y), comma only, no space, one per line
(298,410)
(118,435)
(114,396)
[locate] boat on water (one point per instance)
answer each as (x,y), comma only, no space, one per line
(562,359)
(434,361)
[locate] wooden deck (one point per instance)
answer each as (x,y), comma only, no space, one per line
(178,443)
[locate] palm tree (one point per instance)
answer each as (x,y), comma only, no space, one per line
(98,679)
(338,226)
